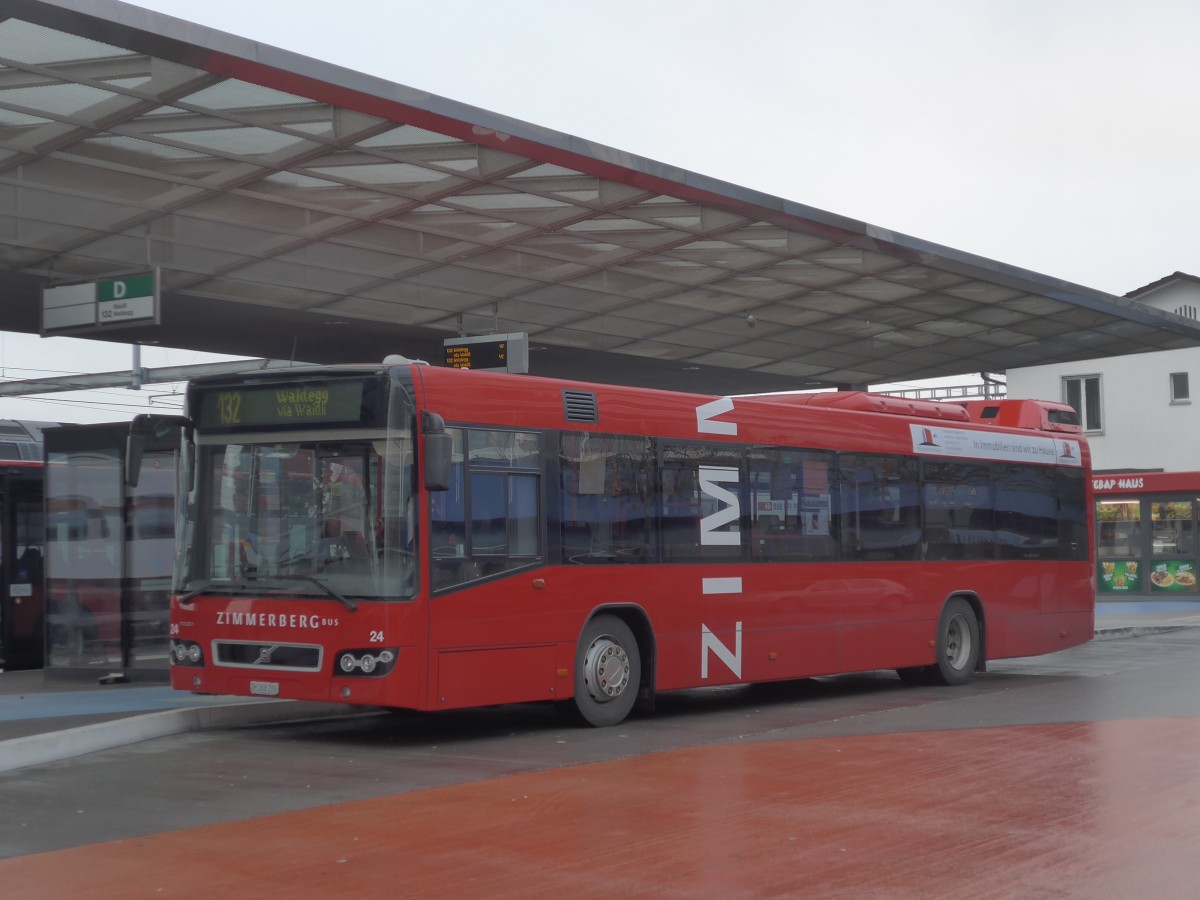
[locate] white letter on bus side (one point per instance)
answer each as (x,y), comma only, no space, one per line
(709,642)
(731,512)
(706,412)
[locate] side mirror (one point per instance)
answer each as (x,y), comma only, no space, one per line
(158,430)
(439,450)
(135,446)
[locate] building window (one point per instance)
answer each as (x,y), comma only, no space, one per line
(1083,394)
(1179,387)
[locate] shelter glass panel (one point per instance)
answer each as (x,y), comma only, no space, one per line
(84,531)
(150,549)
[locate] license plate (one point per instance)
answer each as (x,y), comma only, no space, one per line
(265,688)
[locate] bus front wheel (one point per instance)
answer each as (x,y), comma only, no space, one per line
(608,671)
(957,643)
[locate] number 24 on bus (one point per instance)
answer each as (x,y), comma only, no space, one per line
(432,538)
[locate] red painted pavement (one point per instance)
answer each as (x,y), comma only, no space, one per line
(1105,809)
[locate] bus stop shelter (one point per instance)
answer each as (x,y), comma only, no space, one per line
(292,209)
(285,208)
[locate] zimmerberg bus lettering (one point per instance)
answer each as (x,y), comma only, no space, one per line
(728,507)
(705,413)
(710,644)
(273,620)
(710,479)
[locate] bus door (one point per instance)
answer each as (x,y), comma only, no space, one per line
(492,632)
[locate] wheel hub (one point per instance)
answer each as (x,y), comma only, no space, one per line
(606,669)
(958,642)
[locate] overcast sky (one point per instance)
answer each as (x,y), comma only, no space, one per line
(1055,135)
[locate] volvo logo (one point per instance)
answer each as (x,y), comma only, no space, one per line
(264,655)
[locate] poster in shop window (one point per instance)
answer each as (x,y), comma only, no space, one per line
(1173,577)
(1119,576)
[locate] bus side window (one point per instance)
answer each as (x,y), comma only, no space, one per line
(790,504)
(490,520)
(703,503)
(958,511)
(879,507)
(607,489)
(1073,542)
(1026,512)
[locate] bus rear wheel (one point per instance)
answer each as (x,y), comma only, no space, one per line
(608,671)
(957,643)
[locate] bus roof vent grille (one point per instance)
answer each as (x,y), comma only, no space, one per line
(580,406)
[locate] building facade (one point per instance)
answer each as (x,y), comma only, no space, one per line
(1144,430)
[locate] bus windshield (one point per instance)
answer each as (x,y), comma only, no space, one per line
(322,517)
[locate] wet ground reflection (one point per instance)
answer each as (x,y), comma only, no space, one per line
(1104,809)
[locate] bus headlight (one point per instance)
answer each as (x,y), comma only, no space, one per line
(186,653)
(374,663)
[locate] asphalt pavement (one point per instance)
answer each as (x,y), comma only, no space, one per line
(45,720)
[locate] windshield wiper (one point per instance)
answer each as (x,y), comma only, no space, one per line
(251,583)
(345,601)
(211,587)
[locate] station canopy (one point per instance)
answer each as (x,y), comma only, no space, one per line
(297,210)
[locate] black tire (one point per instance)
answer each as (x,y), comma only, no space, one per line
(608,671)
(916,674)
(958,643)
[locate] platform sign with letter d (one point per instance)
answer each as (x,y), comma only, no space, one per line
(87,307)
(125,300)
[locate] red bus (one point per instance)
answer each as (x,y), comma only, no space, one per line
(22,549)
(22,544)
(406,536)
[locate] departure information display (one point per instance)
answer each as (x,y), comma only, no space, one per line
(489,353)
(286,404)
(477,355)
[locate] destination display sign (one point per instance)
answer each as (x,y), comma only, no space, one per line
(491,353)
(484,355)
(289,404)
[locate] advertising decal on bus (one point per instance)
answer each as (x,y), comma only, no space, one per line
(936,440)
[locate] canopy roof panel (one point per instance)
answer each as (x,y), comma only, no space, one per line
(298,209)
